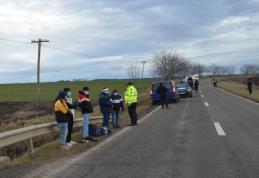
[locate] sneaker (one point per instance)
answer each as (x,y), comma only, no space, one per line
(66,147)
(69,144)
(73,143)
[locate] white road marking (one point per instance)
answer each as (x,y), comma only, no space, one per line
(219,129)
(202,96)
(206,104)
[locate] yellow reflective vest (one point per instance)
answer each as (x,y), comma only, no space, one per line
(131,95)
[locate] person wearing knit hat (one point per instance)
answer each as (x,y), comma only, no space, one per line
(117,105)
(105,106)
(62,115)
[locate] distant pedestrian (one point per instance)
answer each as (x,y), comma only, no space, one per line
(85,104)
(214,82)
(62,115)
(131,100)
(190,81)
(71,106)
(196,85)
(250,85)
(162,91)
(117,105)
(105,106)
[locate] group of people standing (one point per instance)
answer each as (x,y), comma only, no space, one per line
(109,104)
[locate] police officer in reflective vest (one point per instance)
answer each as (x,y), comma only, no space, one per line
(131,99)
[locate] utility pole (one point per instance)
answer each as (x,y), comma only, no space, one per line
(143,68)
(39,42)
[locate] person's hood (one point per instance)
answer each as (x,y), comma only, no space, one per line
(82,97)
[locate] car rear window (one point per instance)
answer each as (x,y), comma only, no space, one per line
(183,85)
(156,85)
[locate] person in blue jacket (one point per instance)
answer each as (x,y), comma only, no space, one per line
(117,105)
(105,106)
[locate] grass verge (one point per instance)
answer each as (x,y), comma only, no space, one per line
(240,90)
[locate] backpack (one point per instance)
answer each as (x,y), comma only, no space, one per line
(94,131)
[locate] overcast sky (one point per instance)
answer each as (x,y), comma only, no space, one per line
(102,37)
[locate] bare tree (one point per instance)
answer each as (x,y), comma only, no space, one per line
(134,71)
(197,69)
(169,65)
(249,69)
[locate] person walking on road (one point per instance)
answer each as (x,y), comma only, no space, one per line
(71,106)
(85,104)
(162,91)
(190,81)
(196,85)
(62,115)
(105,106)
(131,100)
(249,85)
(214,82)
(117,105)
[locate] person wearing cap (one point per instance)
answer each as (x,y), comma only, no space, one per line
(62,115)
(131,99)
(117,105)
(105,106)
(71,106)
(85,104)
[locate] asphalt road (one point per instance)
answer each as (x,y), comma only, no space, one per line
(212,135)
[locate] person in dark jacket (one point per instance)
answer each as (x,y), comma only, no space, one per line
(105,106)
(117,105)
(249,85)
(190,81)
(62,115)
(196,85)
(214,82)
(162,91)
(85,104)
(71,106)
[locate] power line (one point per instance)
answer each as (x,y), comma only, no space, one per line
(14,41)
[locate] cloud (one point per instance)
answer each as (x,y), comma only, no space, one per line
(106,35)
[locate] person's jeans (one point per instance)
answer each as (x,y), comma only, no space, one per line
(115,119)
(132,109)
(70,129)
(106,118)
(63,132)
(86,118)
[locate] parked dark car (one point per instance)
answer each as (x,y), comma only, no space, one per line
(184,89)
(172,93)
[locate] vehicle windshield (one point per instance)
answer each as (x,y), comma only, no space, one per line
(156,85)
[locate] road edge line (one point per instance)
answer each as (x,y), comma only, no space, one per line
(240,97)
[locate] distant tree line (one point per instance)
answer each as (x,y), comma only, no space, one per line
(168,65)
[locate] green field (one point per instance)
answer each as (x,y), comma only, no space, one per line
(28,92)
